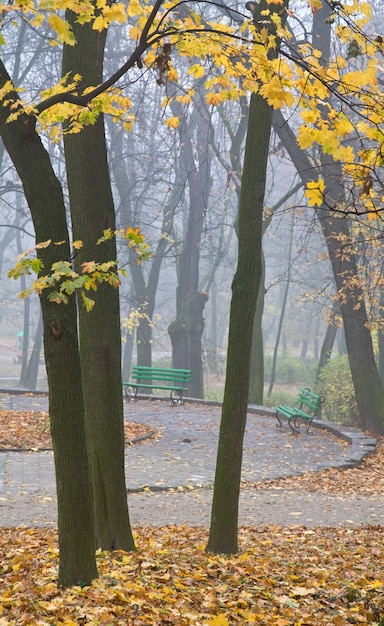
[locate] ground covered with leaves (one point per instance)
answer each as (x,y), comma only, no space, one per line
(282,576)
(365,479)
(29,430)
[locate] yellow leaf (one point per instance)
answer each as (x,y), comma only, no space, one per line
(115,13)
(314,192)
(134,8)
(135,32)
(88,302)
(100,23)
(172,75)
(213,98)
(196,70)
(62,29)
(220,620)
(77,244)
(172,122)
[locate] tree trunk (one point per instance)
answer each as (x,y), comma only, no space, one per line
(128,353)
(380,338)
(245,287)
(329,340)
(256,377)
(44,195)
(223,534)
(368,388)
(92,212)
(187,329)
(282,311)
(26,316)
(145,293)
(32,372)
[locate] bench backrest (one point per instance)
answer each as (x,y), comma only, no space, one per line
(144,374)
(310,399)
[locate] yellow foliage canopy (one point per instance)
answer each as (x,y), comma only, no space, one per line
(238,62)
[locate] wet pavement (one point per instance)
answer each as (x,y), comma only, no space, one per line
(169,477)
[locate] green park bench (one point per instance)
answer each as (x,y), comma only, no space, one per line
(309,404)
(147,378)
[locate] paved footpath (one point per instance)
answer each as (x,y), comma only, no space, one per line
(178,469)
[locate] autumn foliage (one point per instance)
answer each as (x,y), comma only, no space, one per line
(282,577)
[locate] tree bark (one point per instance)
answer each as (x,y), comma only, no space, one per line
(223,535)
(44,195)
(329,340)
(256,375)
(282,311)
(92,211)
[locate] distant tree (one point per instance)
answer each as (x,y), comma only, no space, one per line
(186,330)
(368,388)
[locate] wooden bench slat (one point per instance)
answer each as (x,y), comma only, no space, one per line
(171,379)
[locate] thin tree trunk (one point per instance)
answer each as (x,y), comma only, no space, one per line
(223,534)
(26,311)
(380,338)
(282,311)
(31,375)
(187,329)
(256,385)
(245,286)
(368,388)
(329,340)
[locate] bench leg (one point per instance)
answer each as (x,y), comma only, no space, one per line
(130,395)
(280,424)
(294,428)
(308,427)
(176,398)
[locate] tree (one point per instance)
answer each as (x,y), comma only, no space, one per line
(44,195)
(223,536)
(368,387)
(92,212)
(186,330)
(70,101)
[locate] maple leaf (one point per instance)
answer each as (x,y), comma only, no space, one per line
(196,70)
(88,267)
(213,98)
(173,122)
(314,192)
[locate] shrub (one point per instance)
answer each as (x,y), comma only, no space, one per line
(291,369)
(337,386)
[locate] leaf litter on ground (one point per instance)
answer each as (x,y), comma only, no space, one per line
(285,576)
(365,479)
(29,430)
(281,577)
